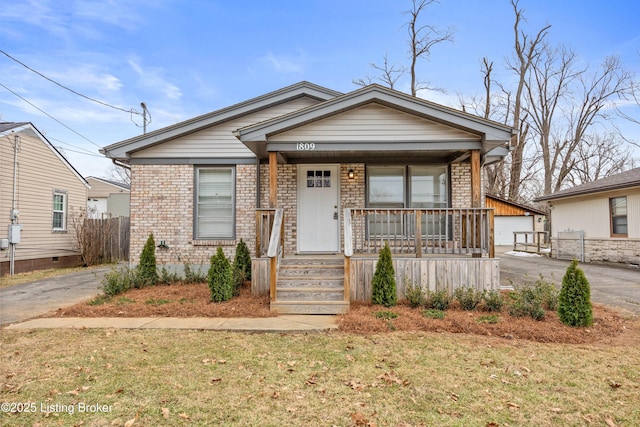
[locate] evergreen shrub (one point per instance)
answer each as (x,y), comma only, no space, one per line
(574,301)
(384,280)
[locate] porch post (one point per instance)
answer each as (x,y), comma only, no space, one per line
(475,195)
(273,179)
(475,179)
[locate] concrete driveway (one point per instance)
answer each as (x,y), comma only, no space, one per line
(614,286)
(28,300)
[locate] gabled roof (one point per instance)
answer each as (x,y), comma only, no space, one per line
(522,206)
(117,184)
(627,179)
(7,128)
(493,134)
(122,150)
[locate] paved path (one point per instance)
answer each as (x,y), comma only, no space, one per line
(614,286)
(288,323)
(28,300)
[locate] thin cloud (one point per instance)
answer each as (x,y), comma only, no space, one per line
(152,78)
(283,64)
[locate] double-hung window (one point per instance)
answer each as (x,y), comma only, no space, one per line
(215,203)
(618,211)
(59,221)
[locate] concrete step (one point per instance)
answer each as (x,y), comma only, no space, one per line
(310,307)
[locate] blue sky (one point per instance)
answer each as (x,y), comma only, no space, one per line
(188,57)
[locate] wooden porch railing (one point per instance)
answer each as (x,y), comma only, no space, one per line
(275,249)
(420,231)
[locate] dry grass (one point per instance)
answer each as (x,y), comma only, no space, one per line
(33,276)
(173,377)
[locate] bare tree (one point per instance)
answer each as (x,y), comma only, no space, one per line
(526,52)
(119,173)
(422,38)
(389,74)
(599,156)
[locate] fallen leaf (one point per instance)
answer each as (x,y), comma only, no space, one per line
(275,395)
(513,405)
(556,410)
(350,358)
(74,392)
(492,425)
(454,396)
(359,419)
(216,380)
(614,384)
(165,412)
(610,422)
(130,422)
(183,416)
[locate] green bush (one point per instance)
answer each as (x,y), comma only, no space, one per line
(574,301)
(414,294)
(238,279)
(384,280)
(468,298)
(147,269)
(242,260)
(432,313)
(167,277)
(526,302)
(386,315)
(489,319)
(220,277)
(438,300)
(493,301)
(118,281)
(547,292)
(193,275)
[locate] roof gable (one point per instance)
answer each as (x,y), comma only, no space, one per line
(627,179)
(8,128)
(123,149)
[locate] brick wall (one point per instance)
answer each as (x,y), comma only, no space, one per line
(461,185)
(604,250)
(162,202)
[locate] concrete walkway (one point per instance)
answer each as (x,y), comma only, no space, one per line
(284,323)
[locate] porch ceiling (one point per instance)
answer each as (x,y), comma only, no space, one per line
(415,157)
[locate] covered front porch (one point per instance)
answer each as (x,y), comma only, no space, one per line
(341,179)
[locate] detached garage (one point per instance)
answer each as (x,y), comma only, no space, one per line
(513,217)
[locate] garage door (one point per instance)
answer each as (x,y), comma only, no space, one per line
(506,225)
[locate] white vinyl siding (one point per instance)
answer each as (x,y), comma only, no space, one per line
(215,207)
(374,122)
(59,222)
(219,141)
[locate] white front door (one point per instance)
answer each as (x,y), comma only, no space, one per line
(318,209)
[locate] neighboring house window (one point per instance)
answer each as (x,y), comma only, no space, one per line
(618,210)
(59,211)
(215,203)
(423,187)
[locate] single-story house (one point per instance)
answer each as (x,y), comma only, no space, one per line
(316,181)
(512,217)
(598,221)
(39,193)
(107,198)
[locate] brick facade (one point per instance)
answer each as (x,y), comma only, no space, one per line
(162,202)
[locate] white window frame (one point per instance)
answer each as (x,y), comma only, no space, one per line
(63,211)
(200,205)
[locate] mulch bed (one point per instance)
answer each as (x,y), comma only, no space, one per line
(193,300)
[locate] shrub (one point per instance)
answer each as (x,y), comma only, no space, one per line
(489,319)
(238,279)
(433,313)
(574,301)
(468,298)
(220,277)
(147,269)
(384,280)
(118,281)
(526,302)
(167,277)
(386,315)
(242,260)
(192,275)
(414,294)
(438,300)
(547,292)
(493,301)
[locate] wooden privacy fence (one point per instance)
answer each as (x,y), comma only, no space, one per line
(105,240)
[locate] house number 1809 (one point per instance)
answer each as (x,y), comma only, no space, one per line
(305,146)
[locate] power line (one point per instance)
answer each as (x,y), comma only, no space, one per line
(49,115)
(88,152)
(79,152)
(132,111)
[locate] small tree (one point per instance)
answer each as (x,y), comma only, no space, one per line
(384,280)
(147,269)
(220,277)
(574,301)
(242,260)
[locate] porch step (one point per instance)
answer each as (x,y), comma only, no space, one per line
(310,307)
(310,286)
